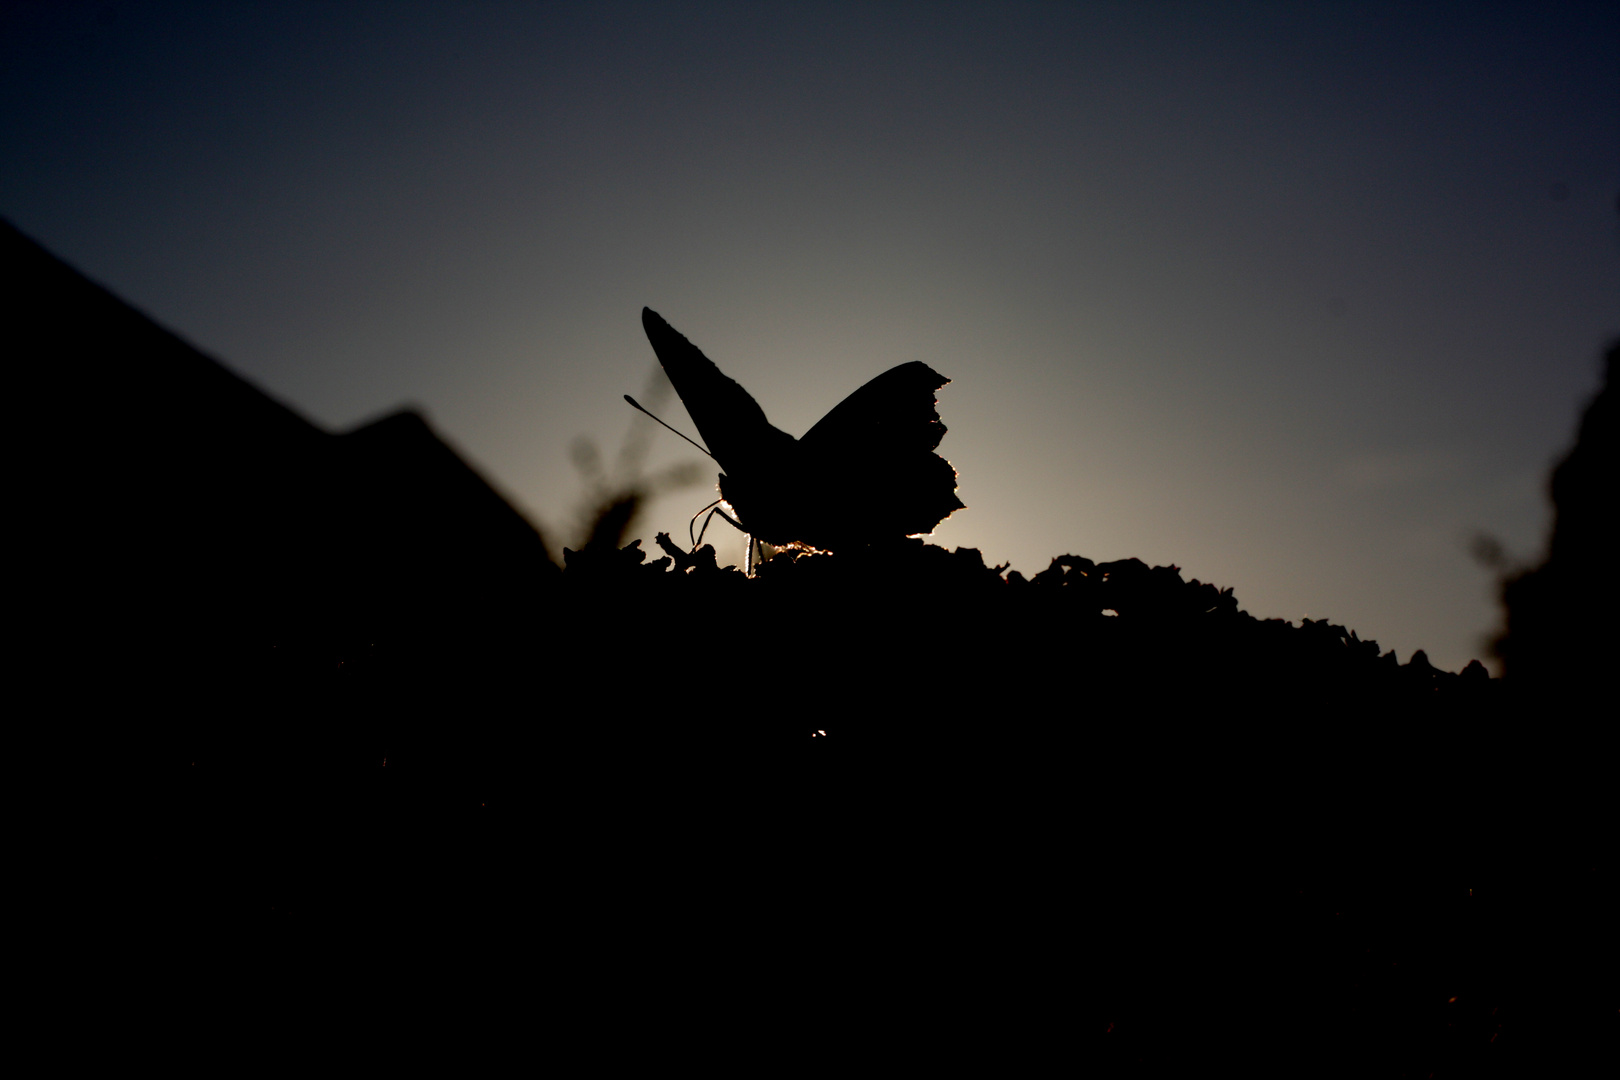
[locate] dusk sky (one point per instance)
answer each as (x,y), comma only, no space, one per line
(1298,297)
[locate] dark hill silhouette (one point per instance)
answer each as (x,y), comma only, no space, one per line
(183,505)
(373,748)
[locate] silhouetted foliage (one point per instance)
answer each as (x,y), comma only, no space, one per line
(1561,637)
(359,728)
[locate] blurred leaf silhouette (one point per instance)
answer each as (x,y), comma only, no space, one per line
(1489,552)
(614,497)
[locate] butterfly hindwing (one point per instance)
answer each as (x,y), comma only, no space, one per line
(896,411)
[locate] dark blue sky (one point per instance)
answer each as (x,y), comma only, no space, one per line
(1298,297)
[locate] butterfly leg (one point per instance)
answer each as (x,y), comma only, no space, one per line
(695,516)
(714,509)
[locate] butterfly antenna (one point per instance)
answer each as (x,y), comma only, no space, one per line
(637,405)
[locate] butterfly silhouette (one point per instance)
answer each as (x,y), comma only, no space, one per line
(865,473)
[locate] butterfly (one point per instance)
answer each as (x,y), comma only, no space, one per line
(865,473)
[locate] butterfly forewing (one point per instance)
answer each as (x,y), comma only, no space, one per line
(879,443)
(727,416)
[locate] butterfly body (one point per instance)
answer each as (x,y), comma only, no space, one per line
(865,473)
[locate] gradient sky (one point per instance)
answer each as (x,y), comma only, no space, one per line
(1297,297)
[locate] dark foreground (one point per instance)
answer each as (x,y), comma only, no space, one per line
(1172,838)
